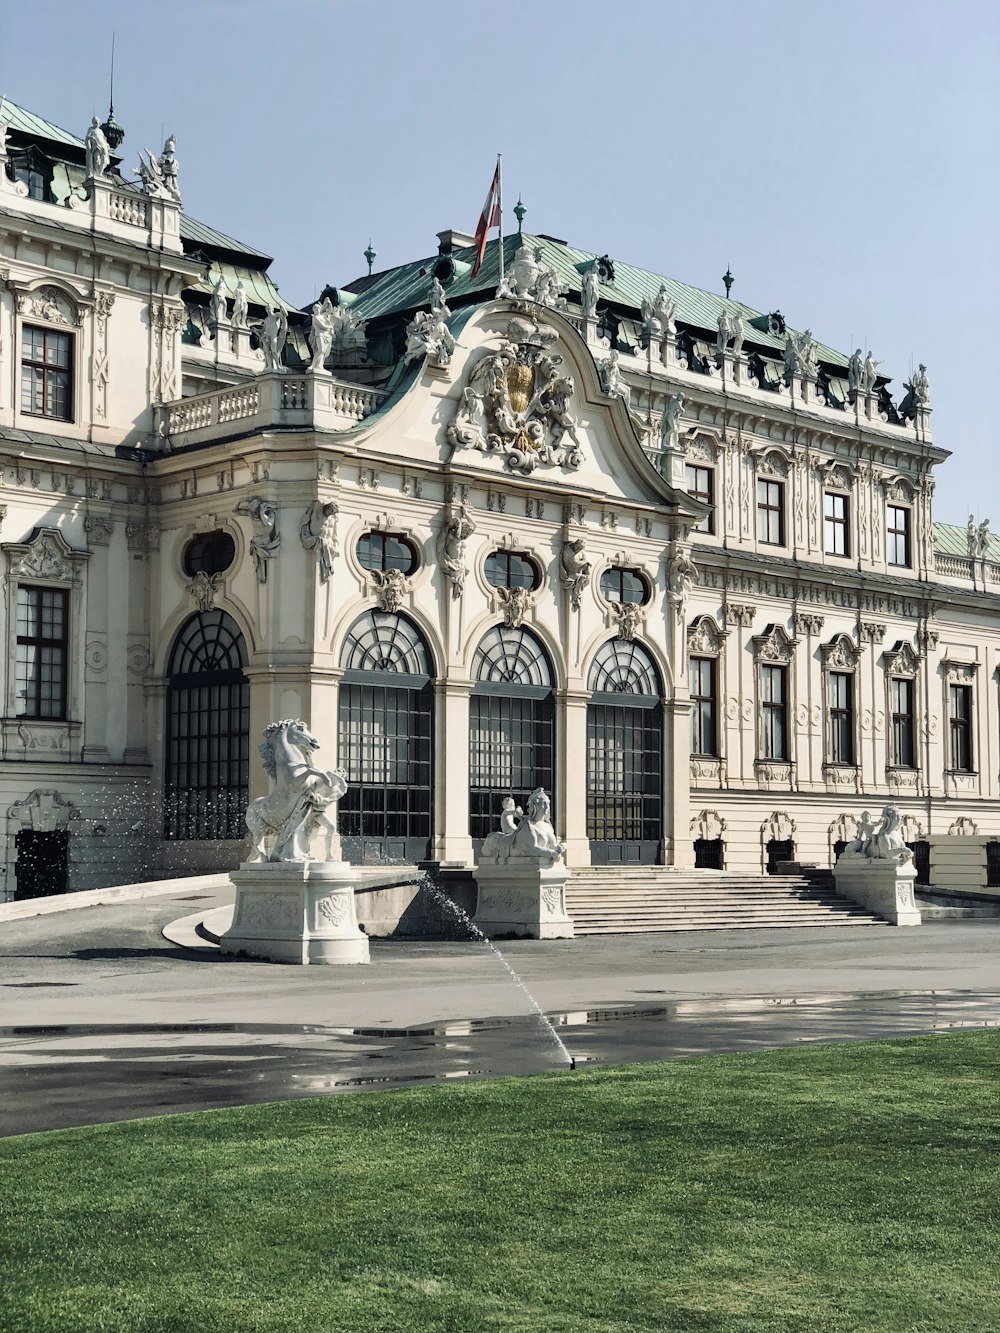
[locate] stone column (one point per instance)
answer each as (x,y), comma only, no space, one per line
(571,786)
(451,842)
(678,848)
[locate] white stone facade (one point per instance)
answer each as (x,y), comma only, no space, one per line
(173,432)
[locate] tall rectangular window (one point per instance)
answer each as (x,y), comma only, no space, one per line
(700,485)
(704,735)
(774,713)
(46,373)
(42,652)
(901,694)
(960,728)
(771,512)
(897,536)
(836,524)
(840,699)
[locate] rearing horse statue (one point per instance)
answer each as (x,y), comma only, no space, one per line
(303,797)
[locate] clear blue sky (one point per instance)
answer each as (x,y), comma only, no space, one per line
(843,159)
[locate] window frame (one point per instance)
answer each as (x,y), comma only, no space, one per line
(774,713)
(837,526)
(893,535)
(47,369)
(59,645)
(621,600)
(505,558)
(898,719)
(841,748)
(960,729)
(704,706)
(706,495)
(765,510)
(383,538)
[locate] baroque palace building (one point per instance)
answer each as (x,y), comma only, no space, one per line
(583,528)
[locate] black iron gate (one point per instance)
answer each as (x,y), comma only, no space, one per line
(511,752)
(778,850)
(624,780)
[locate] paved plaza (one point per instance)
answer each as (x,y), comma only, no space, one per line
(104,1018)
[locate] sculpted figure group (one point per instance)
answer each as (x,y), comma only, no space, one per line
(883,842)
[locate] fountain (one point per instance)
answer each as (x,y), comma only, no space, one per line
(291,907)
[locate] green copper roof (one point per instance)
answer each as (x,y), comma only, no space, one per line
(28,123)
(408,286)
(951,539)
(197,233)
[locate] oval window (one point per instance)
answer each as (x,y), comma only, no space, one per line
(209,553)
(510,569)
(624,585)
(385,551)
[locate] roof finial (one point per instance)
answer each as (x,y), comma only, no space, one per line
(727,278)
(113,132)
(371,256)
(519,212)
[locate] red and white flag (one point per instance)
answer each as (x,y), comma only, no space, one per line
(490,218)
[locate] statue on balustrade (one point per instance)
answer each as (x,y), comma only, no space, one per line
(241,307)
(98,151)
(273,334)
(320,333)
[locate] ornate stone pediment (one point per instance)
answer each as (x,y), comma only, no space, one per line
(840,654)
(516,403)
(704,636)
(898,490)
(774,645)
(839,476)
(50,304)
(771,461)
(44,557)
(959,673)
(901,660)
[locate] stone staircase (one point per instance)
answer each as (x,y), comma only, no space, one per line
(607,900)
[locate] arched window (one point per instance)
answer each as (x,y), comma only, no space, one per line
(624,755)
(511,725)
(208,730)
(386,718)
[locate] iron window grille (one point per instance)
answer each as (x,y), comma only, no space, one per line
(779,850)
(771,512)
(41,668)
(897,524)
(836,521)
(208,731)
(709,854)
(46,373)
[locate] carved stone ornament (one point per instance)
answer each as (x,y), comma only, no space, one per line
(840,654)
(391,588)
(458,527)
(771,462)
(520,837)
(738,613)
(516,602)
(99,530)
(611,377)
(709,825)
(682,575)
(774,645)
(49,304)
(630,616)
(302,799)
(574,570)
(902,660)
(264,545)
(428,335)
(44,811)
(202,588)
(964,827)
(884,842)
(807,622)
(780,826)
(528,280)
(704,637)
(45,557)
(959,673)
(516,403)
(871,631)
(318,533)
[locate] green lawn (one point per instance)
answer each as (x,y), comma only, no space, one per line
(825,1188)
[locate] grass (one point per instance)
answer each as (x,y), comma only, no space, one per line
(826,1188)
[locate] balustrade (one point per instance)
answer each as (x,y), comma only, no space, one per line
(127,208)
(267,397)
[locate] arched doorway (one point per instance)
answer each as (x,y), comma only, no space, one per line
(511,726)
(624,756)
(208,730)
(386,720)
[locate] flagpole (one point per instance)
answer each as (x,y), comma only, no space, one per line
(500,209)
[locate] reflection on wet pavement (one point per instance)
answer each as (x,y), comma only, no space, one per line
(58,1076)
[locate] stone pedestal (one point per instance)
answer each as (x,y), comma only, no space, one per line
(296,912)
(523,898)
(883,886)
